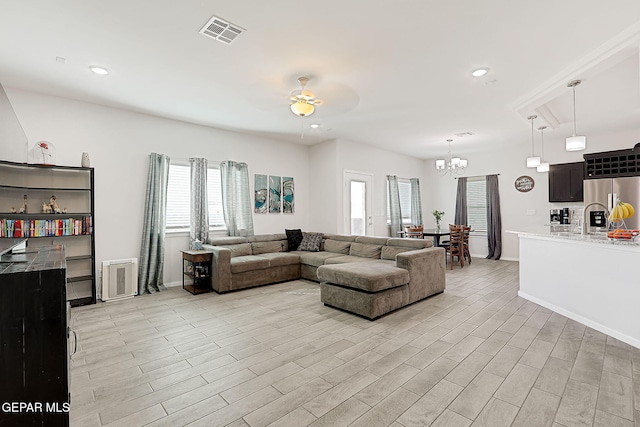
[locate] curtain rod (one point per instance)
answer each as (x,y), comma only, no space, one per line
(476,176)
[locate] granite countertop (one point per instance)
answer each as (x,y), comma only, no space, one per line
(597,238)
(44,258)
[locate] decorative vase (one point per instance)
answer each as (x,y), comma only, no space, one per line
(85,160)
(437,221)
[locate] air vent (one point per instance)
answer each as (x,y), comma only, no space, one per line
(221,30)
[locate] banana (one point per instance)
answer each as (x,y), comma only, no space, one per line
(615,215)
(624,212)
(631,209)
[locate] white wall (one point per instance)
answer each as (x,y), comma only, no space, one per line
(119,143)
(511,164)
(323,187)
(358,157)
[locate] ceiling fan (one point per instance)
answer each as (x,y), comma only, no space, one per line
(303,102)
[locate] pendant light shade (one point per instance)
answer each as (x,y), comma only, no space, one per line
(543,166)
(532,161)
(575,142)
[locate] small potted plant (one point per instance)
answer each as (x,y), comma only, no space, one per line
(437,215)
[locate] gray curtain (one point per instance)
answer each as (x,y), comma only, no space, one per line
(155,212)
(199,225)
(395,215)
(494,221)
(461,203)
(236,198)
(416,202)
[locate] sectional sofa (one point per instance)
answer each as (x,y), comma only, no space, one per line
(369,276)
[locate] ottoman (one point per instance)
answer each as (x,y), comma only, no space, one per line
(369,289)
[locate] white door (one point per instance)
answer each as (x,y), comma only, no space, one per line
(358,203)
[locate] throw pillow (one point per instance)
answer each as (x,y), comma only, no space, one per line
(294,237)
(311,242)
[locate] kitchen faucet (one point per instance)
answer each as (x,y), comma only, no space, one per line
(585,223)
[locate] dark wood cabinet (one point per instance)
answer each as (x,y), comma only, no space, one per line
(565,182)
(34,353)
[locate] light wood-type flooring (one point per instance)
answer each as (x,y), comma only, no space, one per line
(275,356)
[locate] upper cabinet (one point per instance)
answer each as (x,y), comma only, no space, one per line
(565,182)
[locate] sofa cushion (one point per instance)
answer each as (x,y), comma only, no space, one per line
(390,252)
(315,259)
(241,264)
(336,246)
(227,240)
(369,277)
(311,242)
(277,259)
(294,237)
(365,250)
(267,247)
(369,240)
(341,237)
(238,250)
(343,259)
(411,243)
(265,238)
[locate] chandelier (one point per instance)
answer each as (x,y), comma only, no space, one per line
(303,101)
(454,165)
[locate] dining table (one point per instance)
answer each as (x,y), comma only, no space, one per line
(436,233)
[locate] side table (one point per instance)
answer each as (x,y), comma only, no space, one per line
(197,266)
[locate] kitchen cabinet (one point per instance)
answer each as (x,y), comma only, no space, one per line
(565,182)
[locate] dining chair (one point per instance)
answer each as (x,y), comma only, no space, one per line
(465,243)
(455,248)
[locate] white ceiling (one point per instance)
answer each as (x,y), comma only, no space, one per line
(391,73)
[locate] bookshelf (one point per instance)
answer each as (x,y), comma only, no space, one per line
(73,226)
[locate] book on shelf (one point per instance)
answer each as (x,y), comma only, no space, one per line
(46,227)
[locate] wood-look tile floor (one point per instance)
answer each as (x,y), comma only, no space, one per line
(275,356)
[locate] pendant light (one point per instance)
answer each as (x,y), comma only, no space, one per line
(544,166)
(575,142)
(532,161)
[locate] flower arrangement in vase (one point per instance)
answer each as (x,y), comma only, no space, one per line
(437,215)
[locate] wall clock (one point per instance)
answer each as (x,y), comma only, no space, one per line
(524,183)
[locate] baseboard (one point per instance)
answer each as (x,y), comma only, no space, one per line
(174,284)
(501,258)
(590,323)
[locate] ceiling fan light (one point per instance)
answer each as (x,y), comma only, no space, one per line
(302,108)
(533,162)
(543,167)
(576,143)
(439,164)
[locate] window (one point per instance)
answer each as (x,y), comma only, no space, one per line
(404,188)
(179,198)
(477,204)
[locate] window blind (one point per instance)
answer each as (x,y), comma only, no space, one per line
(179,197)
(477,204)
(404,189)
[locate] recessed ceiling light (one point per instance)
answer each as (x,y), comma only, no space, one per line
(99,70)
(480,72)
(314,125)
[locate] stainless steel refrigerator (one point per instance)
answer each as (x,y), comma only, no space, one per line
(608,190)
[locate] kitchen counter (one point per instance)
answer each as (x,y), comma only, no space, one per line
(599,238)
(591,279)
